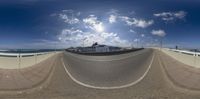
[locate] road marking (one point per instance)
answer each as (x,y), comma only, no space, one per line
(114,87)
(106,60)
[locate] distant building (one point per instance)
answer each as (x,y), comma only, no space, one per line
(100,48)
(96,48)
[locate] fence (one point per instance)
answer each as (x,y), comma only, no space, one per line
(185,52)
(22,60)
(187,57)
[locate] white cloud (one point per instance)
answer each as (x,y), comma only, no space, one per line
(68,11)
(143,23)
(142,35)
(69,19)
(115,16)
(69,16)
(94,24)
(113,11)
(169,16)
(91,29)
(70,35)
(78,14)
(180,14)
(137,22)
(163,14)
(136,40)
(160,33)
(132,31)
(91,19)
(76,37)
(112,18)
(99,27)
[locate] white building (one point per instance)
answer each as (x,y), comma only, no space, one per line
(96,48)
(102,48)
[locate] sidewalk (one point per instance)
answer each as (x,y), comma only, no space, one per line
(180,73)
(26,78)
(190,60)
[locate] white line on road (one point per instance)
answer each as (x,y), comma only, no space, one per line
(114,87)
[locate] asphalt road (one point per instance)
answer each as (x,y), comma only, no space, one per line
(108,71)
(154,85)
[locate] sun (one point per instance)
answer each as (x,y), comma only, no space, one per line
(99,27)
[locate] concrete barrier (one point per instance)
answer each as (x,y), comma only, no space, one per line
(17,60)
(186,57)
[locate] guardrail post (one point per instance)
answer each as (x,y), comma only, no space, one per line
(35,58)
(19,60)
(194,59)
(195,54)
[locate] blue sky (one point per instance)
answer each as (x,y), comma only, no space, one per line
(65,23)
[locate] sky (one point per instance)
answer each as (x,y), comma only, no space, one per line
(44,24)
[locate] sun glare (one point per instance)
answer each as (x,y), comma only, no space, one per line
(99,27)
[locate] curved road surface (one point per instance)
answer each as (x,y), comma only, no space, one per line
(154,85)
(108,71)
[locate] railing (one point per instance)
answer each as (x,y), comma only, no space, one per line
(22,54)
(189,58)
(22,60)
(185,52)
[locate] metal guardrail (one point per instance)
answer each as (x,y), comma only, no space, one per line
(185,52)
(23,54)
(20,57)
